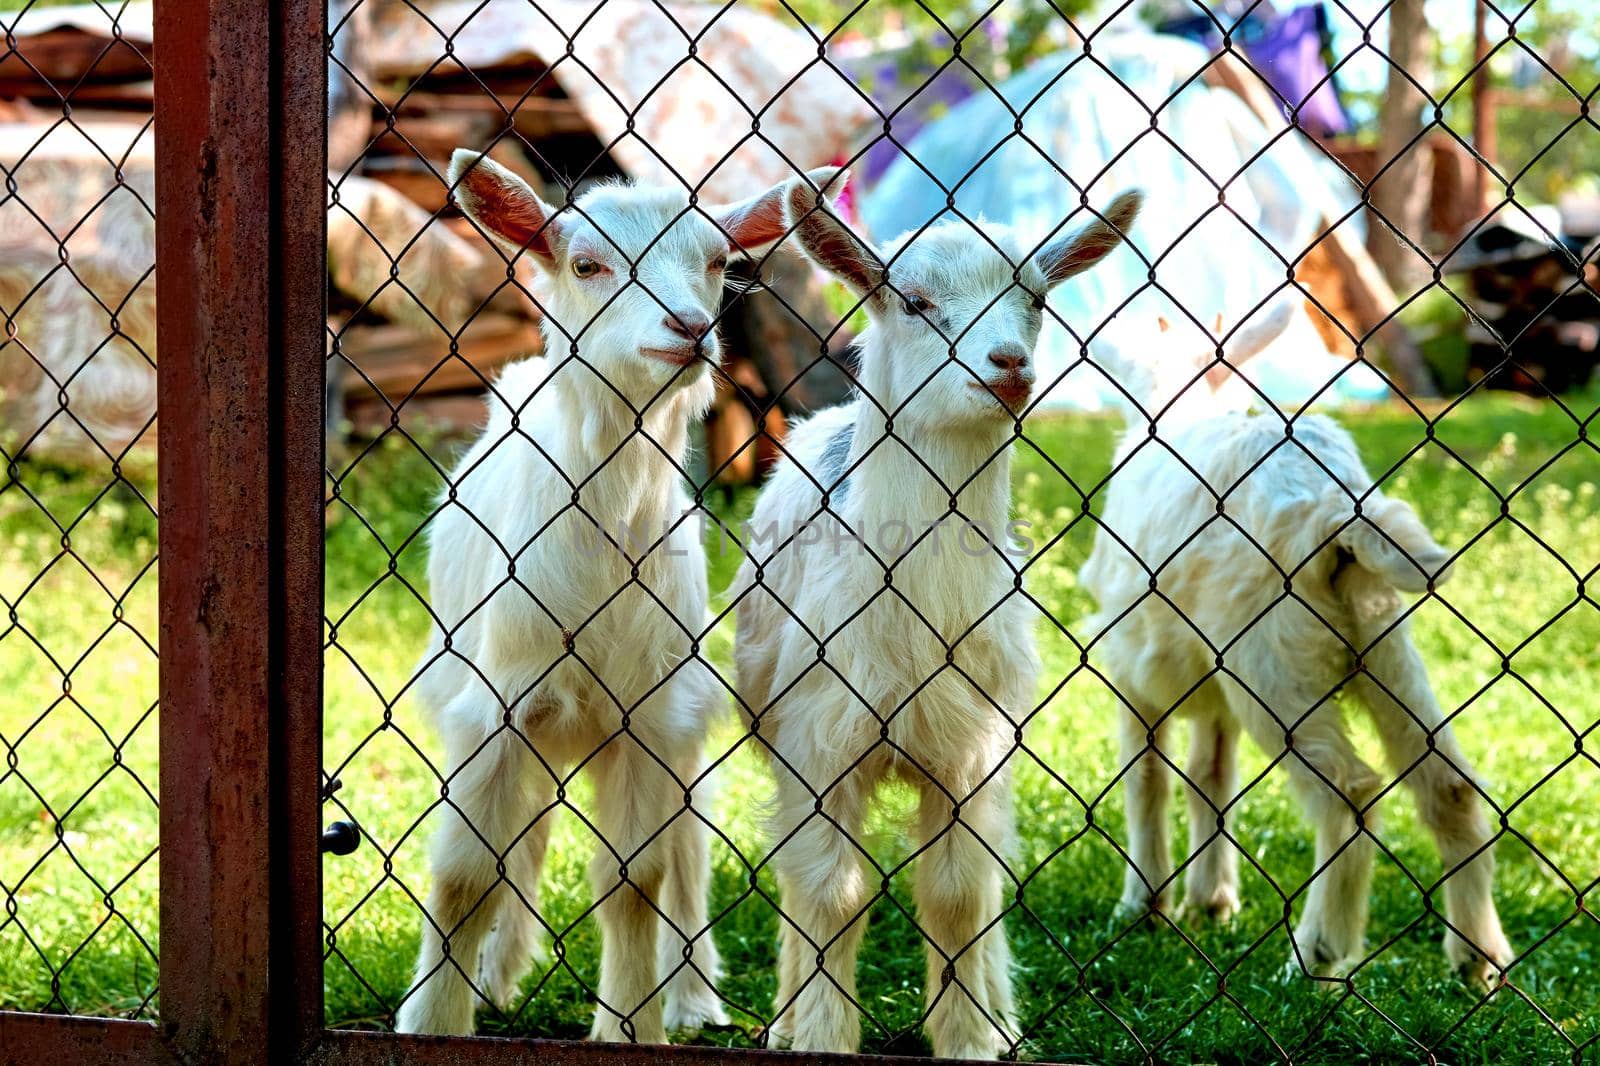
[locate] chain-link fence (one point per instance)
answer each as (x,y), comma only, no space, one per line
(793,523)
(78,507)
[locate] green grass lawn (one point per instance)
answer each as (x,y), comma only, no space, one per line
(77,814)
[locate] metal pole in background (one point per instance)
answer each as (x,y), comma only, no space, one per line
(1485,137)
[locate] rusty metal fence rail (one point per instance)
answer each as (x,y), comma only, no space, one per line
(287,701)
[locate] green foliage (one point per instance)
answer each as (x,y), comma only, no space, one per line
(1439,325)
(1075,969)
(995,39)
(1544,149)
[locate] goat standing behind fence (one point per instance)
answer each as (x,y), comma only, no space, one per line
(1247,569)
(897,656)
(558,646)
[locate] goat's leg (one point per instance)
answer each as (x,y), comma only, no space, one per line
(1395,687)
(997,976)
(791,975)
(1146,885)
(959,880)
(688,956)
(824,895)
(1211,874)
(1336,790)
(518,940)
(634,797)
(490,805)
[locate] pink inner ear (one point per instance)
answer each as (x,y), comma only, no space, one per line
(831,245)
(510,212)
(754,223)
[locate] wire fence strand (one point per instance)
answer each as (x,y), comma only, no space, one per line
(750,772)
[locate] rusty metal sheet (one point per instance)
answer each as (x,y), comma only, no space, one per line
(31,1039)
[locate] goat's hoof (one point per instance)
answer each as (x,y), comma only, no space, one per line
(501,983)
(1480,974)
(1482,966)
(418,1016)
(1219,906)
(499,989)
(694,1011)
(1141,911)
(611,1030)
(1308,964)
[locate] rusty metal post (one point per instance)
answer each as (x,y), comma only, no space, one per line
(240,142)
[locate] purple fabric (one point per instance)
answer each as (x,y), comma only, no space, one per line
(1289,53)
(889,85)
(1287,50)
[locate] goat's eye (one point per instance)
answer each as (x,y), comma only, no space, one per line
(718,265)
(1038,301)
(584,267)
(917,304)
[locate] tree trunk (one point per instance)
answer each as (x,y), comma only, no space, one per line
(1485,135)
(1401,193)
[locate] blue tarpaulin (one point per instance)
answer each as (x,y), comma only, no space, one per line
(1222,192)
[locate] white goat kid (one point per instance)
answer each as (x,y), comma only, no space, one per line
(911,659)
(1306,512)
(558,645)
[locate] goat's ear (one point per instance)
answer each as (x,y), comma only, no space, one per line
(1247,342)
(1251,340)
(503,205)
(1077,252)
(754,225)
(828,241)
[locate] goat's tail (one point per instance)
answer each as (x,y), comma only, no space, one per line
(1389,539)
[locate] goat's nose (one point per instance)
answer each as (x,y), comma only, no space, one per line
(1009,357)
(690,325)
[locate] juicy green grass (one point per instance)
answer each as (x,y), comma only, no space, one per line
(30,5)
(1088,991)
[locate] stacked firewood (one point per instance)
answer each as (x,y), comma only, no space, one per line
(1533,282)
(422,309)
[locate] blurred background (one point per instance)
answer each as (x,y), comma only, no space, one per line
(1261,163)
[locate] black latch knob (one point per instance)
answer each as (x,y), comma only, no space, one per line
(340,838)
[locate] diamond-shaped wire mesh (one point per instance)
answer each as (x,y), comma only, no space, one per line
(888,714)
(77,514)
(555,702)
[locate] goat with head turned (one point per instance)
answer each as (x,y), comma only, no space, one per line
(873,643)
(570,595)
(1277,567)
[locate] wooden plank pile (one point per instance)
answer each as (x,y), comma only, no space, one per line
(399,129)
(1532,279)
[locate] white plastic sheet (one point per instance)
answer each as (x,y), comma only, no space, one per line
(1228,204)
